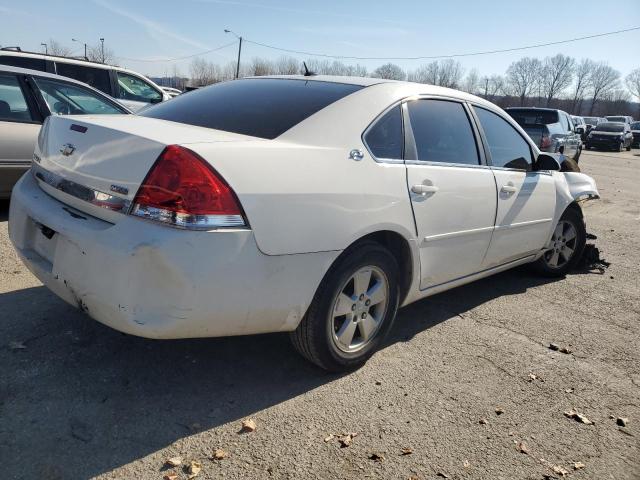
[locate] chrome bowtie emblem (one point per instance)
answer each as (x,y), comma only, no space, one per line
(67,149)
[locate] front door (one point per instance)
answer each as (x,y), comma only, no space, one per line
(526,199)
(452,194)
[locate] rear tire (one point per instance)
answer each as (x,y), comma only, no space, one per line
(352,311)
(565,248)
(629,148)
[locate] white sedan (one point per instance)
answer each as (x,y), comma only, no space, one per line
(311,205)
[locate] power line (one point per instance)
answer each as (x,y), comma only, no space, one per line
(178,58)
(434,57)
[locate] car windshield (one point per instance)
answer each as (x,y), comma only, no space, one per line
(610,127)
(527,116)
(264,108)
(635,125)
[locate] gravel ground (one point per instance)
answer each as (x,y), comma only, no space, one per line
(81,400)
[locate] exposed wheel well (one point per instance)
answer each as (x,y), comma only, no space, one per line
(399,248)
(576,207)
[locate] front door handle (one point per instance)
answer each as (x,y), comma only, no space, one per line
(424,189)
(509,188)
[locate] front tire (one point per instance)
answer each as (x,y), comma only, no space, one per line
(564,250)
(352,311)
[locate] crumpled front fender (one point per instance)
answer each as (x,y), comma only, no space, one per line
(581,187)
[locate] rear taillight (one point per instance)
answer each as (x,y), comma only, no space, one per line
(182,190)
(545,141)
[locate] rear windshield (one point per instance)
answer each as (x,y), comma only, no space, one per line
(610,127)
(617,119)
(591,120)
(533,117)
(263,108)
(635,125)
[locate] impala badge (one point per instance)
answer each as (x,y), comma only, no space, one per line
(67,149)
(120,189)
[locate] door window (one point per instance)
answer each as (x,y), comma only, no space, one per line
(66,99)
(384,138)
(134,88)
(442,132)
(24,62)
(96,77)
(507,147)
(13,105)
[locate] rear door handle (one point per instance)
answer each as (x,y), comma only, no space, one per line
(424,189)
(509,188)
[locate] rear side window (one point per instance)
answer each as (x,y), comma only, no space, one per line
(508,148)
(24,62)
(13,106)
(442,132)
(527,116)
(96,77)
(264,108)
(384,138)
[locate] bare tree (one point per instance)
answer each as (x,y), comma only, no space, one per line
(557,75)
(56,48)
(95,54)
(492,86)
(287,66)
(260,66)
(389,71)
(445,73)
(471,82)
(633,82)
(523,77)
(204,72)
(582,83)
(604,79)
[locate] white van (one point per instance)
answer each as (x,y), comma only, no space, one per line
(133,90)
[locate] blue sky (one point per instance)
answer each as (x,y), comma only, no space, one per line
(155,30)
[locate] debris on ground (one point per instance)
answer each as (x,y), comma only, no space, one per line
(466,464)
(406,451)
(522,448)
(622,421)
(578,417)
(442,475)
(248,426)
(346,439)
(559,470)
(568,390)
(173,462)
(194,469)
(591,260)
(482,421)
(172,475)
(376,457)
(533,376)
(578,465)
(219,454)
(328,438)
(556,348)
(499,410)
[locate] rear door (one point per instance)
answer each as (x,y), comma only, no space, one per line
(526,199)
(452,193)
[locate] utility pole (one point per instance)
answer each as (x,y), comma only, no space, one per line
(46,51)
(239,50)
(85,47)
(102,48)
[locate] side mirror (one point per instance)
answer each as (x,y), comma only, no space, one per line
(579,129)
(546,162)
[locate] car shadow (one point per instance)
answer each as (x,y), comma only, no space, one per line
(4,210)
(79,399)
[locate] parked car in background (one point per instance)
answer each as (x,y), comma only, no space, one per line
(592,122)
(580,126)
(620,118)
(401,190)
(635,131)
(172,92)
(551,130)
(27,98)
(133,90)
(610,135)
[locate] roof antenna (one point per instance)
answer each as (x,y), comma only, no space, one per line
(307,72)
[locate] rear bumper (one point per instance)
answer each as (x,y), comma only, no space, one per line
(159,282)
(10,173)
(597,143)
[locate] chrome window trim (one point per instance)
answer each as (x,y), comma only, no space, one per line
(373,124)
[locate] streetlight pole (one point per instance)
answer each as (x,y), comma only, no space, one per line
(239,50)
(85,47)
(102,48)
(46,51)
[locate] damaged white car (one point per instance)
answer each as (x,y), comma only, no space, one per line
(311,205)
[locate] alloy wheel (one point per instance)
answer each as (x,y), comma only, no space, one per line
(359,309)
(562,246)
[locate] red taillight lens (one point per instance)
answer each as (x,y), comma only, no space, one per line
(183,190)
(545,141)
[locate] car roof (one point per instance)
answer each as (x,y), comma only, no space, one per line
(361,81)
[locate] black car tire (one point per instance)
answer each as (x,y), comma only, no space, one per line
(314,337)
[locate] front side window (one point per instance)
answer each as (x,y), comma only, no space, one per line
(13,106)
(442,132)
(67,99)
(96,77)
(134,88)
(507,147)
(384,138)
